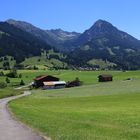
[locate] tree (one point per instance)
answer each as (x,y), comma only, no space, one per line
(1,59)
(22,83)
(39,60)
(6,65)
(3,85)
(20,75)
(12,58)
(7,80)
(1,73)
(12,73)
(35,67)
(5,58)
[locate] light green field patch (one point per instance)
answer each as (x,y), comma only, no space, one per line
(101,63)
(7,92)
(110,51)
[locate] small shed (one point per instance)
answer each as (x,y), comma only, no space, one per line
(74,83)
(38,81)
(105,78)
(54,85)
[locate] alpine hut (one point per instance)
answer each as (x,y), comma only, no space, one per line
(105,78)
(38,81)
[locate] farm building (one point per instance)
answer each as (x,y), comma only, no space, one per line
(74,83)
(105,78)
(54,85)
(38,81)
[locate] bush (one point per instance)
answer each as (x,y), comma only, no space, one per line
(12,73)
(7,80)
(1,59)
(35,68)
(22,83)
(3,85)
(1,73)
(20,75)
(6,65)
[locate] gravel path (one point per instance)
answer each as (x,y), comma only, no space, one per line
(11,129)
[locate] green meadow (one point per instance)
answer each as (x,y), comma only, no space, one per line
(7,92)
(88,77)
(94,111)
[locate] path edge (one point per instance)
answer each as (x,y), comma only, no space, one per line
(13,116)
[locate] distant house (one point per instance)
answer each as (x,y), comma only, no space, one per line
(54,85)
(74,83)
(38,81)
(105,78)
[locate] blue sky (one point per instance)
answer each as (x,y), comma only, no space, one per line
(74,15)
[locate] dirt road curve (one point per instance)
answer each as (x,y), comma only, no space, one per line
(10,129)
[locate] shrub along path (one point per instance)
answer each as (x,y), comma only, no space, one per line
(11,129)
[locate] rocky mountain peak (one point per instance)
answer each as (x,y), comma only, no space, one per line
(100,27)
(99,23)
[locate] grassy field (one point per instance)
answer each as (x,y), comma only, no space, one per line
(94,111)
(7,92)
(27,76)
(88,77)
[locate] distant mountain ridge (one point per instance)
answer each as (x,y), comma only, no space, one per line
(58,37)
(59,34)
(39,33)
(52,37)
(102,42)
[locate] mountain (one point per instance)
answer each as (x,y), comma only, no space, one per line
(104,41)
(61,36)
(19,43)
(103,29)
(53,37)
(37,32)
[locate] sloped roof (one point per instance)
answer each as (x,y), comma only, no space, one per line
(40,77)
(105,75)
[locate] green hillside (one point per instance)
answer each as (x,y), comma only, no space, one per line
(101,64)
(47,60)
(7,62)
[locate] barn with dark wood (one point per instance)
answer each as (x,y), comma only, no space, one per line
(105,78)
(74,83)
(38,81)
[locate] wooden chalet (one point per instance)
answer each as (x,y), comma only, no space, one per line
(38,81)
(105,78)
(54,85)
